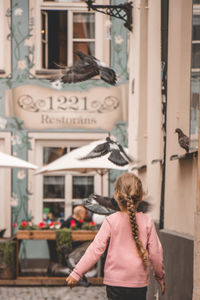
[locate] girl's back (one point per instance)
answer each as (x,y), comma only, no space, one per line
(124,266)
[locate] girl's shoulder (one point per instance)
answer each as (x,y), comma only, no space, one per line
(116,216)
(142,218)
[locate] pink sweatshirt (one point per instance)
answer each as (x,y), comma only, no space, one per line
(124,266)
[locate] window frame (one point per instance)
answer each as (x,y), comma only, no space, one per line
(38,141)
(102,45)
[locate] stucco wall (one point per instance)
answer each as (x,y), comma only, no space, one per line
(180,188)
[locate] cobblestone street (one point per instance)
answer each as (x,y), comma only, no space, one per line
(52,293)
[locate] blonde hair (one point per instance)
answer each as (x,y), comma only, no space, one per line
(128,192)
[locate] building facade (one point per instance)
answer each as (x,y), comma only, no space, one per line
(41,119)
(164,95)
(158,67)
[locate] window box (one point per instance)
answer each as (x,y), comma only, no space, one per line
(77,235)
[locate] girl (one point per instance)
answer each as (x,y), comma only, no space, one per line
(133,242)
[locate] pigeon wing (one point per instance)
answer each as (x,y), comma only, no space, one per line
(106,202)
(144,206)
(184,142)
(95,207)
(99,150)
(80,72)
(124,153)
(116,158)
(108,75)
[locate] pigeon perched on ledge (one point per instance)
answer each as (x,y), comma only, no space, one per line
(106,206)
(117,154)
(87,67)
(183,140)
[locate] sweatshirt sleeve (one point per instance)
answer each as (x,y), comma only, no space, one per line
(155,252)
(93,252)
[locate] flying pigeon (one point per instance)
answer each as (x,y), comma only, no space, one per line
(87,67)
(117,154)
(183,140)
(106,206)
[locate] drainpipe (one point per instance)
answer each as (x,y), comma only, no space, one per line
(164,60)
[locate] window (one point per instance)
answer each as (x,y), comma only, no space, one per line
(56,38)
(62,27)
(54,194)
(57,189)
(83,186)
(195,76)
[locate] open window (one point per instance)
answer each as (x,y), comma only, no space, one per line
(63,27)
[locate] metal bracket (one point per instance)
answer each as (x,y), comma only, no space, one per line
(121,11)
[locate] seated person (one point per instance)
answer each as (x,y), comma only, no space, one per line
(77,218)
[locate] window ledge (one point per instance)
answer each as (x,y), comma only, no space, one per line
(46,72)
(158,160)
(184,156)
(139,168)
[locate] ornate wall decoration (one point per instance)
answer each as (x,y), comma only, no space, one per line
(119,51)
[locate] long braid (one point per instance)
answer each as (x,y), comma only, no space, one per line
(134,227)
(128,191)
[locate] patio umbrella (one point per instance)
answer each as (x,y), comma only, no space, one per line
(9,161)
(72,161)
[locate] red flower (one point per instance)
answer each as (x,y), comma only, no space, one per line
(81,221)
(41,224)
(51,223)
(92,223)
(24,223)
(72,223)
(14,225)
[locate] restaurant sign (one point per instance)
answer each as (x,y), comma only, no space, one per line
(42,108)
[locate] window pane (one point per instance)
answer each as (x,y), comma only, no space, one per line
(52,153)
(53,210)
(196,56)
(54,187)
(43,55)
(84,25)
(85,47)
(194,109)
(83,186)
(196,28)
(57,38)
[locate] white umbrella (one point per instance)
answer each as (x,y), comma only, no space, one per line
(71,162)
(9,161)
